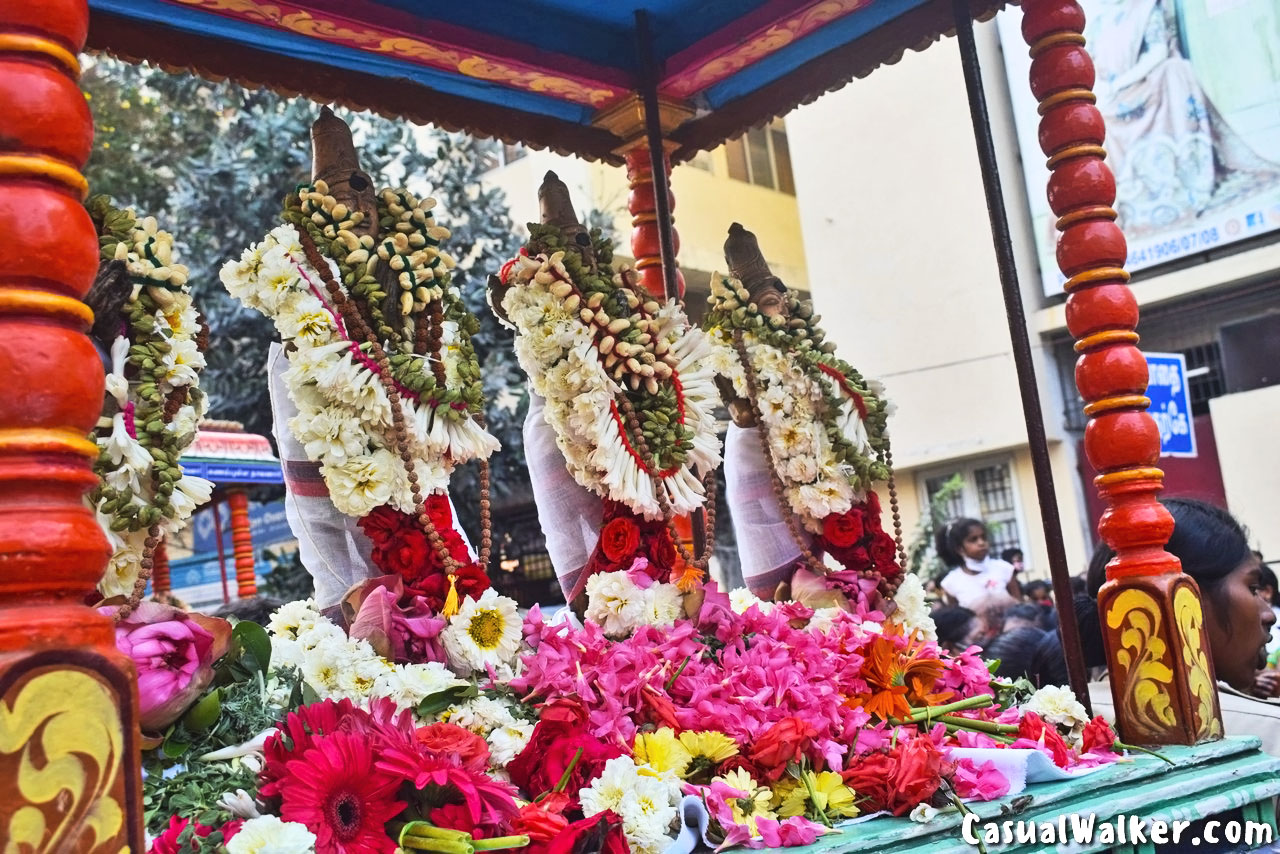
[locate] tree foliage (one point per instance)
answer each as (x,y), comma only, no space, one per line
(213,161)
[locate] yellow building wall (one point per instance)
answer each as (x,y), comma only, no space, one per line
(707,202)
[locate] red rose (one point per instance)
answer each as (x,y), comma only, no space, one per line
(871,777)
(884,552)
(1098,737)
(602,833)
(919,774)
(842,530)
(471,582)
(734,763)
(855,559)
(556,740)
(872,509)
(1033,728)
(785,741)
(539,823)
(448,740)
(619,539)
(408,554)
(382,524)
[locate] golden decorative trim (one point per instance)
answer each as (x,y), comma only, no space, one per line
(641,219)
(1086,213)
(1107,337)
(1141,655)
(648,261)
(23,301)
(1082,150)
(24,43)
(1055,39)
(1063,97)
(35,440)
(39,166)
(71,719)
(1094,277)
(1122,401)
(1189,616)
(1115,478)
(626,120)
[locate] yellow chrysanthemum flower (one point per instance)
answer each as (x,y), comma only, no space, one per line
(824,792)
(662,751)
(713,746)
(757,803)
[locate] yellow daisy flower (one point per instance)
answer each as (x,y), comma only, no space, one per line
(662,751)
(757,803)
(819,794)
(713,746)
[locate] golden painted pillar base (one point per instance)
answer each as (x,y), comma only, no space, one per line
(1161,676)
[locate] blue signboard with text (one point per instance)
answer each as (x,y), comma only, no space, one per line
(1171,403)
(267,524)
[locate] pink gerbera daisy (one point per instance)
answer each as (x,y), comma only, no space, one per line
(336,791)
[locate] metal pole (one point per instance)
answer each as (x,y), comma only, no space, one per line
(657,158)
(1021,354)
(222,559)
(662,201)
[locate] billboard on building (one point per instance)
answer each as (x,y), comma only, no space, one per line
(1190,90)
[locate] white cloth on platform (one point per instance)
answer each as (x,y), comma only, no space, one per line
(570,514)
(765,544)
(331,545)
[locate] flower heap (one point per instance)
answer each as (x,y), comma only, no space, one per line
(823,426)
(778,721)
(154,401)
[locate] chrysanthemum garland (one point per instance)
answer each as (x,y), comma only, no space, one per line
(153,386)
(628,387)
(345,419)
(826,424)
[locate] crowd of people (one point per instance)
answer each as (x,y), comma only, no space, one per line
(982,602)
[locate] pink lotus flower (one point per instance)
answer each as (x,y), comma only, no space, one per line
(400,628)
(174,652)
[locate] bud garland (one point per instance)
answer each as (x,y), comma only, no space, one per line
(408,247)
(347,419)
(802,383)
(627,380)
(153,397)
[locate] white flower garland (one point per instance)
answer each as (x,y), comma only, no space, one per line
(344,415)
(566,368)
(794,408)
(130,503)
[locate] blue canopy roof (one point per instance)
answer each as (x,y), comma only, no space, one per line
(548,73)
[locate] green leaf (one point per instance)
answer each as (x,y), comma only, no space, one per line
(437,703)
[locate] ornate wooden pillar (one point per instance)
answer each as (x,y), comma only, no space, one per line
(160,582)
(1161,672)
(642,202)
(68,699)
(242,543)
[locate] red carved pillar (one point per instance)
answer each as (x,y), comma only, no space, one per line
(66,695)
(646,245)
(1161,673)
(160,583)
(242,544)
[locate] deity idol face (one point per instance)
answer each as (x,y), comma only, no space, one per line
(747,265)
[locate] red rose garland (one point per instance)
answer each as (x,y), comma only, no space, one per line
(401,547)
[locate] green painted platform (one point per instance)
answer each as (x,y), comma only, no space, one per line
(1207,781)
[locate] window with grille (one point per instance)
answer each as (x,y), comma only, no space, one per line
(762,157)
(988,492)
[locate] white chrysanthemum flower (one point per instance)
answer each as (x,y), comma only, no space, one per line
(742,599)
(506,742)
(1058,706)
(294,618)
(664,605)
(359,484)
(122,569)
(643,799)
(407,685)
(278,280)
(485,631)
(285,652)
(269,835)
(482,715)
(615,603)
(331,435)
(307,321)
(912,612)
(366,667)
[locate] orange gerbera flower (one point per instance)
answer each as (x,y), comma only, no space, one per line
(898,679)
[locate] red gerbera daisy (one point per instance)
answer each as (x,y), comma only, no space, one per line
(337,792)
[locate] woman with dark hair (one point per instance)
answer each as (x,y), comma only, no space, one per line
(1214,550)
